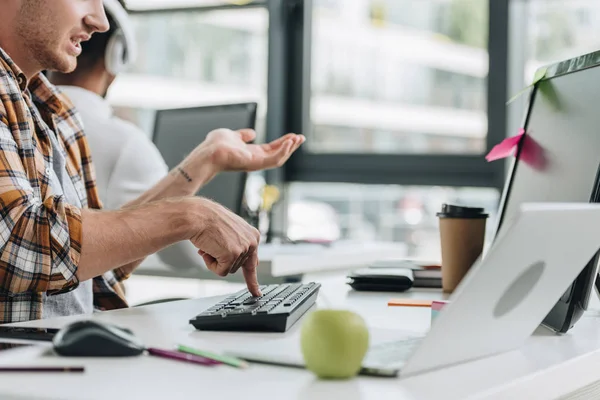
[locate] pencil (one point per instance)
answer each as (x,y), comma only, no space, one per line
(42,369)
(181,356)
(234,362)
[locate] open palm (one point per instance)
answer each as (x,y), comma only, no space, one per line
(232,150)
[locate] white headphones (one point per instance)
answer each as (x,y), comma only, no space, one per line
(121,49)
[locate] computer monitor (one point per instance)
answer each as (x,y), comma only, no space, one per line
(178,131)
(558,160)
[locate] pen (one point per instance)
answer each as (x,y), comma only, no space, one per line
(234,362)
(42,369)
(175,355)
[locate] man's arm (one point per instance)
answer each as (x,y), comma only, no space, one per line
(115,238)
(177,183)
(226,241)
(49,245)
(184,180)
(223,150)
(140,166)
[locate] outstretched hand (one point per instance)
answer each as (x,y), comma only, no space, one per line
(233,150)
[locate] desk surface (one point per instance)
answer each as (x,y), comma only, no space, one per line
(546,367)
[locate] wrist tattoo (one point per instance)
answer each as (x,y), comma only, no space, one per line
(185,174)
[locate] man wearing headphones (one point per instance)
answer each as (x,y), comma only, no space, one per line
(126,161)
(61,254)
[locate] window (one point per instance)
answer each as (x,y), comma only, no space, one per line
(559,30)
(394,94)
(405,101)
(192,58)
(399,76)
(391,213)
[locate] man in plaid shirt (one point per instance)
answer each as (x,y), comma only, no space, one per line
(61,254)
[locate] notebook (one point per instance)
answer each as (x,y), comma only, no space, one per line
(426,273)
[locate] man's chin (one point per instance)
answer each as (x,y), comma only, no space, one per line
(65,64)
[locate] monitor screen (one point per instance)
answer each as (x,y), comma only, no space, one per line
(558,161)
(178,131)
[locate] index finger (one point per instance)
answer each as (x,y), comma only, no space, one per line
(249,270)
(279,141)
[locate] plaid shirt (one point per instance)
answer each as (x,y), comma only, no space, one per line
(40,234)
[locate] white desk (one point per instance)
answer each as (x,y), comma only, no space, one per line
(546,367)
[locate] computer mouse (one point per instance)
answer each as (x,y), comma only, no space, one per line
(92,338)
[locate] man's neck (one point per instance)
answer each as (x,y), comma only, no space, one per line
(19,54)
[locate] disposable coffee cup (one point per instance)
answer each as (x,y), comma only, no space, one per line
(462,235)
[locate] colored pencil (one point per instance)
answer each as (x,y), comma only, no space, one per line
(180,356)
(42,369)
(233,361)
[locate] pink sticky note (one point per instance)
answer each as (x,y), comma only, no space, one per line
(438,305)
(506,148)
(436,308)
(533,154)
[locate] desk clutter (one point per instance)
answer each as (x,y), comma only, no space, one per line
(279,307)
(462,237)
(93,338)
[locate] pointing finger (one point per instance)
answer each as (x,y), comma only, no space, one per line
(249,270)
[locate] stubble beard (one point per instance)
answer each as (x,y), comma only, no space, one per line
(38,34)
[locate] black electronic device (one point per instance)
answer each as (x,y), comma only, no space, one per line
(179,131)
(557,160)
(381,279)
(27,333)
(92,338)
(279,307)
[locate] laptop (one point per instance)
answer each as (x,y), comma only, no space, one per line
(497,306)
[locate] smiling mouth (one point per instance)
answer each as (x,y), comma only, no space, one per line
(76,43)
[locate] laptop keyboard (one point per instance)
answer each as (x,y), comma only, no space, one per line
(391,353)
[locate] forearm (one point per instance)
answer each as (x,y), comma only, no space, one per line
(112,239)
(184,180)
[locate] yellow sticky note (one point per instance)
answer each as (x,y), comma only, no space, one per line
(539,75)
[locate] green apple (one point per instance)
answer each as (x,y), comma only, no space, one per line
(334,343)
